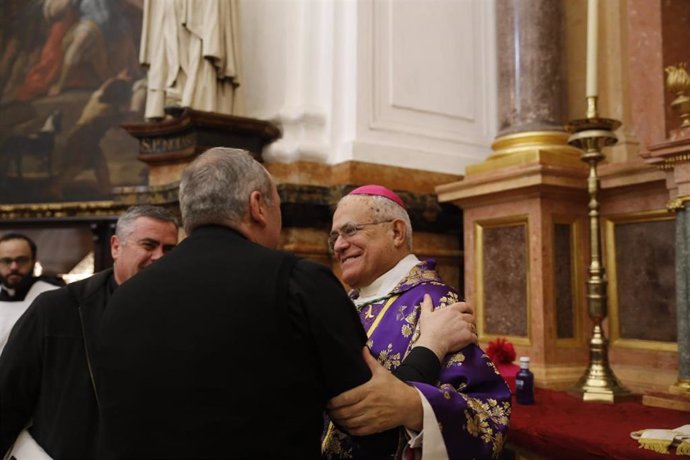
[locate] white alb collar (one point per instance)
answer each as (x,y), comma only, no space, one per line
(11,292)
(385,283)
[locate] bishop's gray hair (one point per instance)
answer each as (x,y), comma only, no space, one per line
(215,187)
(125,224)
(383,209)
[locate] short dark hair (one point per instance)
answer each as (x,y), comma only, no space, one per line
(20,236)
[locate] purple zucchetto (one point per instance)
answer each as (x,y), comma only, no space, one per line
(379,190)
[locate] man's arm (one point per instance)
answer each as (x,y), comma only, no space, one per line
(20,374)
(468,388)
(323,312)
(442,331)
(331,320)
(385,402)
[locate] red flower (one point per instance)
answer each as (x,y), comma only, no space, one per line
(501,351)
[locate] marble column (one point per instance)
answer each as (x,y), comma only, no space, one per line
(683,295)
(525,196)
(531,92)
(673,156)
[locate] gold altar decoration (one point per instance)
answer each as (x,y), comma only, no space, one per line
(678,82)
(591,134)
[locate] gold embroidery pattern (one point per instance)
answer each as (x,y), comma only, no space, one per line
(478,415)
(491,364)
(455,360)
(414,338)
(368,314)
(335,447)
(448,299)
(410,325)
(417,275)
(411,320)
(497,446)
(406,330)
(445,390)
(388,359)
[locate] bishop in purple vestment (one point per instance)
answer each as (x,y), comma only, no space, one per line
(467,409)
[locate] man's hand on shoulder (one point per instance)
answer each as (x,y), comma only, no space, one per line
(446,330)
(382,403)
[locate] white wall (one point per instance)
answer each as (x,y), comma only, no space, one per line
(410,83)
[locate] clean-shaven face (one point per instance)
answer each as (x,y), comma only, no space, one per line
(369,252)
(148,242)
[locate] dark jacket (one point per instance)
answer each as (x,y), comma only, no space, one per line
(45,370)
(225,349)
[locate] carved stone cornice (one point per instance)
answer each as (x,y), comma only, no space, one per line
(303,206)
(59,211)
(185,133)
(665,155)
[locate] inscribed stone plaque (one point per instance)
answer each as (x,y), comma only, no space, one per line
(505,280)
(645,272)
(563,280)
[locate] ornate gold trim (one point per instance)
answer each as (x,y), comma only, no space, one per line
(543,147)
(677,203)
(637,344)
(124,196)
(681,387)
(59,210)
(669,162)
(614,306)
(479,227)
(515,142)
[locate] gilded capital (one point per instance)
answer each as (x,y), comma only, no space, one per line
(678,82)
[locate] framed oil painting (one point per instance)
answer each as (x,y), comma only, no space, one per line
(69,77)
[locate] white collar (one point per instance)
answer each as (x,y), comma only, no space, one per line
(11,292)
(385,283)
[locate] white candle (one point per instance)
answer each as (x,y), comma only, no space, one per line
(592,34)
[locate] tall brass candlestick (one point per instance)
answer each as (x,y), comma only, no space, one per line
(591,134)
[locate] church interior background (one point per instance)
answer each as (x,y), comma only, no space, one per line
(458,105)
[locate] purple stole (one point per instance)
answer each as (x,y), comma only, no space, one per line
(471,401)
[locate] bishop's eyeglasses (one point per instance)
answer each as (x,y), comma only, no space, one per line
(349,230)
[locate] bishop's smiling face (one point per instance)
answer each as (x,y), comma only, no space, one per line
(367,253)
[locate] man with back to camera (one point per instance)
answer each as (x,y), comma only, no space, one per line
(18,285)
(227,347)
(46,375)
(371,239)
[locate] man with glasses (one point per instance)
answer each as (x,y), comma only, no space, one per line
(462,411)
(18,285)
(46,370)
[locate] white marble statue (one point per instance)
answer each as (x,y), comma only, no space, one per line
(190,50)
